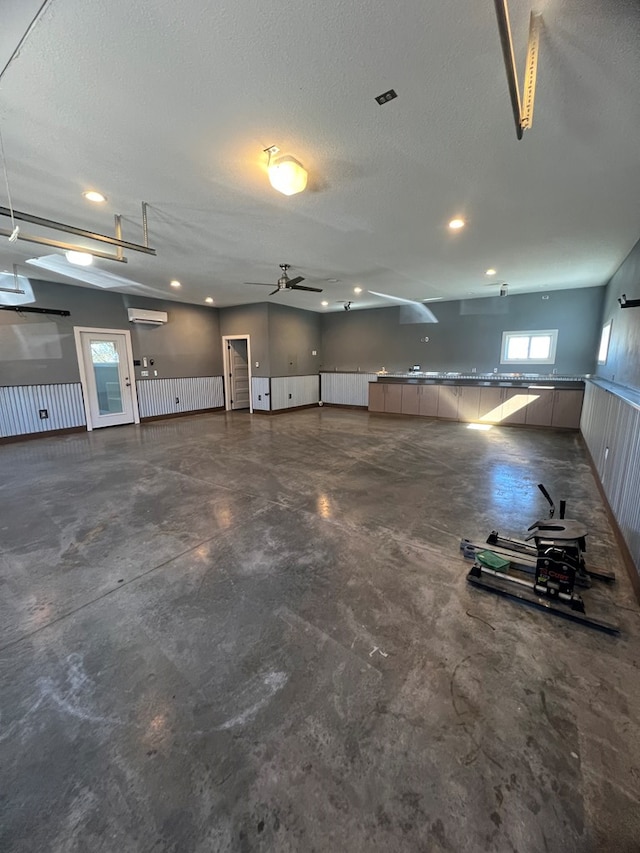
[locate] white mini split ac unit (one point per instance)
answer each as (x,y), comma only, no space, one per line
(152,318)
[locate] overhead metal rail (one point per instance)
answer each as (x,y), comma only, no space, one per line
(116,240)
(522,110)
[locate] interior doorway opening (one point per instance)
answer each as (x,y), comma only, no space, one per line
(236,353)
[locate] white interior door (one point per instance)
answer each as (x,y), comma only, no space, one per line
(107,378)
(239,370)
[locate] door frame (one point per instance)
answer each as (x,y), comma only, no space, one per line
(227,369)
(77,332)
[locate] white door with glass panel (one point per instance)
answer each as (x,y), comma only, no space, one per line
(107,378)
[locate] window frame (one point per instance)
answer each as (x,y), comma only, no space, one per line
(529,333)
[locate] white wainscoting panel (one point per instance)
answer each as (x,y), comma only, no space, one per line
(158,396)
(611,430)
(260,393)
(304,391)
(20,406)
(346,389)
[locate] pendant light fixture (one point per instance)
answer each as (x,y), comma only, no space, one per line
(286,174)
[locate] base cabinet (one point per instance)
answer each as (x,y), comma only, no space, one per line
(468,403)
(448,398)
(567,408)
(385,398)
(411,399)
(429,396)
(550,407)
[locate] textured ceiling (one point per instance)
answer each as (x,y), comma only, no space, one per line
(173,103)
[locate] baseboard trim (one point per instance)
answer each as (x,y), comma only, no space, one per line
(345,406)
(150,418)
(28,436)
(284,411)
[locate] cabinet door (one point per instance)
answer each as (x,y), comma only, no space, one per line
(468,402)
(376,396)
(410,399)
(540,409)
(514,405)
(393,399)
(448,402)
(567,407)
(491,399)
(428,406)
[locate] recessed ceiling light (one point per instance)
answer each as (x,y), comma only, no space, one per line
(80,259)
(357,290)
(324,303)
(209,300)
(456,223)
(175,283)
(333,280)
(94,195)
(490,271)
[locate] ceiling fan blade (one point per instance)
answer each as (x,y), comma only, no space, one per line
(261,283)
(277,290)
(295,280)
(302,287)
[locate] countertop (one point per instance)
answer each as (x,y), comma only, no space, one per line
(503,380)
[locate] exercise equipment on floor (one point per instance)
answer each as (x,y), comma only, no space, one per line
(544,573)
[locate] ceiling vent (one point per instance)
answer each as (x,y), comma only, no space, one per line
(152,318)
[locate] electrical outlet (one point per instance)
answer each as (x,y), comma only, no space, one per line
(144,373)
(259,396)
(314,352)
(44,414)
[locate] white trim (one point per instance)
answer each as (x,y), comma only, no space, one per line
(77,332)
(529,333)
(226,369)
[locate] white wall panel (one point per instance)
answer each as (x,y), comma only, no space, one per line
(346,389)
(260,393)
(158,396)
(20,405)
(304,391)
(611,430)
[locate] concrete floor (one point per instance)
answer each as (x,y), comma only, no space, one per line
(236,633)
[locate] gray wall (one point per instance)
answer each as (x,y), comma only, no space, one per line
(188,345)
(468,334)
(250,320)
(293,335)
(40,349)
(623,361)
(282,338)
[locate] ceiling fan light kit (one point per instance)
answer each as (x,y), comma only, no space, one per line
(286,174)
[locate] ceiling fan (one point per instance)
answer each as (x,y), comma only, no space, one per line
(286,283)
